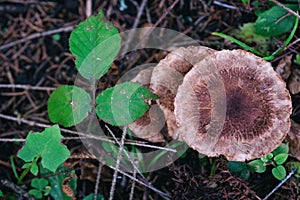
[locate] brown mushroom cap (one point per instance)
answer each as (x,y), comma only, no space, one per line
(148,127)
(257,106)
(168,75)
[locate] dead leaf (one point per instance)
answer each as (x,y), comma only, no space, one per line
(294,82)
(284,67)
(293,138)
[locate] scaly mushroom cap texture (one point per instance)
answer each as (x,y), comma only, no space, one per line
(233,103)
(168,75)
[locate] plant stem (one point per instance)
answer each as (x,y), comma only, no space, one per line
(213,167)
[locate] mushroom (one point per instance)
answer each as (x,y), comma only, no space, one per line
(148,126)
(168,75)
(233,103)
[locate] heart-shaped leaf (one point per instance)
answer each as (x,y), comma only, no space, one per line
(94,43)
(68,105)
(279,172)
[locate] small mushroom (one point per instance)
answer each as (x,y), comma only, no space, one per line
(257,106)
(168,75)
(148,127)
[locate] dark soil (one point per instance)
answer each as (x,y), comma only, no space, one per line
(46,62)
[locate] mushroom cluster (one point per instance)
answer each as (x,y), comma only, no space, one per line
(229,103)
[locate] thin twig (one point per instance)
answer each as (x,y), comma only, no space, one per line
(97,181)
(88,9)
(27,87)
(281,183)
(286,8)
(136,22)
(84,135)
(225,5)
(165,13)
(132,186)
(162,194)
(36,35)
(119,157)
(125,152)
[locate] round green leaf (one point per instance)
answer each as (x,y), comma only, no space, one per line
(279,172)
(280,158)
(274,21)
(257,166)
(236,166)
(68,105)
(123,103)
(94,43)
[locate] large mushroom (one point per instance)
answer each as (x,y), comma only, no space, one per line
(168,75)
(245,116)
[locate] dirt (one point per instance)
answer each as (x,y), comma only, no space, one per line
(47,62)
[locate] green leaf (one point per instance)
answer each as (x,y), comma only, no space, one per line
(39,183)
(95,43)
(267,158)
(91,197)
(123,103)
(274,21)
(36,193)
(34,169)
(46,145)
(68,105)
(282,148)
(280,158)
(1,194)
(279,172)
(257,166)
(236,167)
(26,165)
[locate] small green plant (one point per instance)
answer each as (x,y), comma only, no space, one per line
(276,159)
(40,188)
(94,44)
(45,146)
(273,22)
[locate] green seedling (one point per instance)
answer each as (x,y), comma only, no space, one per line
(275,22)
(40,188)
(94,44)
(276,159)
(45,146)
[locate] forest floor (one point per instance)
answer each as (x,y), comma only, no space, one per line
(45,61)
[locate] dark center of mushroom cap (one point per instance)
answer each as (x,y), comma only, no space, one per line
(248,112)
